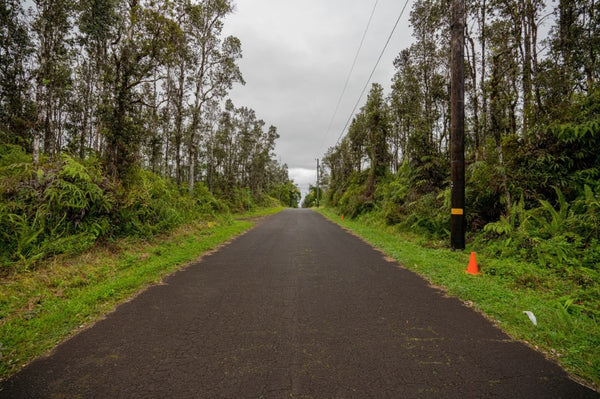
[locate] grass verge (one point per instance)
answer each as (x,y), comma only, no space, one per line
(257,214)
(40,308)
(562,333)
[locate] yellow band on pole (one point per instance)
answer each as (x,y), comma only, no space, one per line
(457,211)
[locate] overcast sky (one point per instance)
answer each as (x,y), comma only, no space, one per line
(296,57)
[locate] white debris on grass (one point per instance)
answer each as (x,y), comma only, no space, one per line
(531,317)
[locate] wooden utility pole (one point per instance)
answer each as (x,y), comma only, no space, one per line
(457,126)
(317,182)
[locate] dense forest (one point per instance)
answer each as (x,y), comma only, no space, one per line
(114,121)
(532,120)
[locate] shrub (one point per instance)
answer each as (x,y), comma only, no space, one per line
(393,194)
(354,202)
(61,207)
(562,238)
(429,214)
(205,203)
(147,206)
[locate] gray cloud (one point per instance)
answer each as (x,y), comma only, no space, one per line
(296,58)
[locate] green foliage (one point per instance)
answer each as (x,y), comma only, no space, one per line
(204,203)
(147,206)
(431,168)
(150,205)
(562,237)
(398,201)
(394,194)
(567,307)
(239,199)
(12,155)
(377,128)
(68,205)
(430,214)
(60,208)
(292,195)
(287,194)
(310,200)
(356,200)
(485,192)
(76,198)
(576,151)
(82,290)
(243,200)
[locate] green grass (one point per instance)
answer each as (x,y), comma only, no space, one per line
(40,308)
(503,291)
(258,213)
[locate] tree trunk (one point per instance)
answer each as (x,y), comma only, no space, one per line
(527,72)
(474,94)
(484,103)
(179,122)
(192,148)
(37,131)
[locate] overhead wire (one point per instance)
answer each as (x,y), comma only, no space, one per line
(372,71)
(337,106)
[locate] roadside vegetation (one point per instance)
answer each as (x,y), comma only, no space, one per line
(65,294)
(503,291)
(74,242)
(115,122)
(532,126)
(121,157)
(68,206)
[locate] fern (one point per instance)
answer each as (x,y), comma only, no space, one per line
(516,219)
(501,227)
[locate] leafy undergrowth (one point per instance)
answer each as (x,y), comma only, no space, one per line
(68,205)
(564,332)
(40,308)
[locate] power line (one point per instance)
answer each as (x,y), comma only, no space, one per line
(337,106)
(372,71)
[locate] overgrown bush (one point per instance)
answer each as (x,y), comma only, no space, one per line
(67,205)
(204,203)
(485,195)
(355,202)
(393,194)
(239,199)
(62,207)
(429,214)
(148,205)
(399,202)
(554,238)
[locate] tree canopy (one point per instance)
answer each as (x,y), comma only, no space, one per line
(532,123)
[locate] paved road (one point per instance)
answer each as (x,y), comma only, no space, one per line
(295,308)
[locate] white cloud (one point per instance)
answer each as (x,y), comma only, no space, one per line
(303,178)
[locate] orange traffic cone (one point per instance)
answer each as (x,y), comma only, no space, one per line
(342,217)
(473,268)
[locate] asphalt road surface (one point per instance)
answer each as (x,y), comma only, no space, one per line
(295,308)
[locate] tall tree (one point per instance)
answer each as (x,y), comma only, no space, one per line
(406,105)
(15,49)
(97,24)
(51,27)
(214,61)
(377,127)
(143,40)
